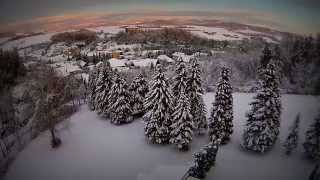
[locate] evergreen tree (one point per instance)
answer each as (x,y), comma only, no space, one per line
(120,110)
(200,119)
(262,127)
(292,139)
(195,92)
(182,127)
(220,121)
(204,160)
(179,81)
(138,90)
(159,102)
(278,60)
(312,142)
(266,56)
(92,87)
(103,85)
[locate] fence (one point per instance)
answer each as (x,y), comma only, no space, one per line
(12,144)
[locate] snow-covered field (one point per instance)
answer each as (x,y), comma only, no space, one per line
(222,34)
(28,41)
(95,149)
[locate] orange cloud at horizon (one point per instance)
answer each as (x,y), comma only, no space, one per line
(93,19)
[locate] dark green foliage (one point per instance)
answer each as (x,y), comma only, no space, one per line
(11,67)
(74,36)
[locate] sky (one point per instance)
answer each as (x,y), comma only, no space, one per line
(302,16)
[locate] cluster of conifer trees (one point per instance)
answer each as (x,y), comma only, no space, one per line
(111,96)
(174,112)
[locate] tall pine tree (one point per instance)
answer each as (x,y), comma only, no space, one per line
(312,142)
(138,89)
(278,60)
(292,139)
(220,121)
(92,87)
(262,127)
(103,85)
(195,92)
(120,109)
(179,80)
(182,127)
(159,104)
(266,56)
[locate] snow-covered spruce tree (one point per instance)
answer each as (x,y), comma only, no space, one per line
(120,109)
(159,105)
(138,90)
(220,121)
(262,127)
(179,81)
(278,60)
(103,85)
(204,160)
(292,139)
(266,56)
(92,87)
(182,127)
(195,92)
(312,142)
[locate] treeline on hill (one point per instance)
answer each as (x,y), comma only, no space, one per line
(81,35)
(11,67)
(167,37)
(300,62)
(297,59)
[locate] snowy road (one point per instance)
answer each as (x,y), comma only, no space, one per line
(95,149)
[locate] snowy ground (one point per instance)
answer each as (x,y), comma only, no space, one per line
(28,41)
(95,149)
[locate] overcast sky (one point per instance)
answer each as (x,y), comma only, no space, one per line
(303,14)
